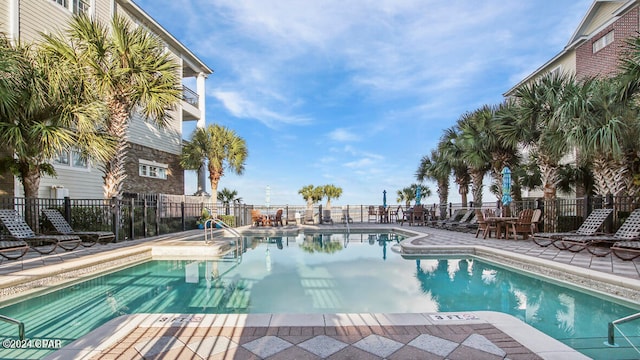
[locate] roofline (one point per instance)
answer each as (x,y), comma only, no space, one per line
(137,11)
(576,40)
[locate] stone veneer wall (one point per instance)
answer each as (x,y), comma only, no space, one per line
(605,61)
(174,184)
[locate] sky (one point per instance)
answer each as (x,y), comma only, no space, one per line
(354,93)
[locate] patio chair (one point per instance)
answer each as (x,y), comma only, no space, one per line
(19,230)
(62,227)
(326,217)
(257,218)
(589,227)
(415,216)
(626,250)
(345,215)
(485,226)
(629,231)
(520,226)
(277,218)
(372,214)
(13,249)
(309,217)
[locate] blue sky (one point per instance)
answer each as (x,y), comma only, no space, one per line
(353,93)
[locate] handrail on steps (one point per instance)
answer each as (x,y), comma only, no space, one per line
(17,322)
(610,337)
(209,226)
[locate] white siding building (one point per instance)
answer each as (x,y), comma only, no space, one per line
(153,163)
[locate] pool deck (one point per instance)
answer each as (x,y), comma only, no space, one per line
(472,335)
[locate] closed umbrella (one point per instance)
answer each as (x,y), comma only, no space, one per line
(506,186)
(418,194)
(384,198)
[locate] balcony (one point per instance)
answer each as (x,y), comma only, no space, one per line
(190,104)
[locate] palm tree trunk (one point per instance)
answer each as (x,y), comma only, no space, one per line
(114,170)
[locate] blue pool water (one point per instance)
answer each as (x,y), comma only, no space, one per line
(322,273)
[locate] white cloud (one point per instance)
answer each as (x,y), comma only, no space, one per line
(241,107)
(343,135)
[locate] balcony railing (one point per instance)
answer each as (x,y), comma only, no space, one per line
(190,96)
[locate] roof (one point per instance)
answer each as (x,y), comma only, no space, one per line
(192,61)
(583,32)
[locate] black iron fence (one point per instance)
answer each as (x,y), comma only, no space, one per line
(144,215)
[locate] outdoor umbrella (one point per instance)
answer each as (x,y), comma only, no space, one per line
(384,198)
(506,186)
(418,195)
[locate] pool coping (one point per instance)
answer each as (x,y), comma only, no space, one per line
(107,335)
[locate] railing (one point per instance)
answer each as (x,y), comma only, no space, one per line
(610,338)
(190,96)
(17,322)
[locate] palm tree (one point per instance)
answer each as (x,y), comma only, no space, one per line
(531,122)
(408,194)
(604,127)
(452,154)
(130,69)
(220,147)
(227,196)
(311,194)
(331,192)
(437,168)
(43,113)
(471,129)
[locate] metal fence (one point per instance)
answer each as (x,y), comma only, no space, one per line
(144,215)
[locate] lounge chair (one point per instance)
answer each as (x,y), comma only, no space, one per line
(626,250)
(590,226)
(19,230)
(13,249)
(62,227)
(465,219)
(629,231)
(455,217)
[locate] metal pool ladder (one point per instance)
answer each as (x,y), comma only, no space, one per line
(610,337)
(14,321)
(210,224)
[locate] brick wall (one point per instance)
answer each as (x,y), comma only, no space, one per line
(174,184)
(605,61)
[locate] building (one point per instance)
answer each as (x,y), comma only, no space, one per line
(595,46)
(593,49)
(153,162)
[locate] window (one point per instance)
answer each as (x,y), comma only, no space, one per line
(152,169)
(603,41)
(76,6)
(72,159)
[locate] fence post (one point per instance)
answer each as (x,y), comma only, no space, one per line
(608,203)
(115,215)
(182,215)
(157,217)
(67,209)
(144,218)
(132,219)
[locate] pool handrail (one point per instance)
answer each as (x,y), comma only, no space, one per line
(610,337)
(14,321)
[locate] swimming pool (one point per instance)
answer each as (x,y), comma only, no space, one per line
(322,273)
